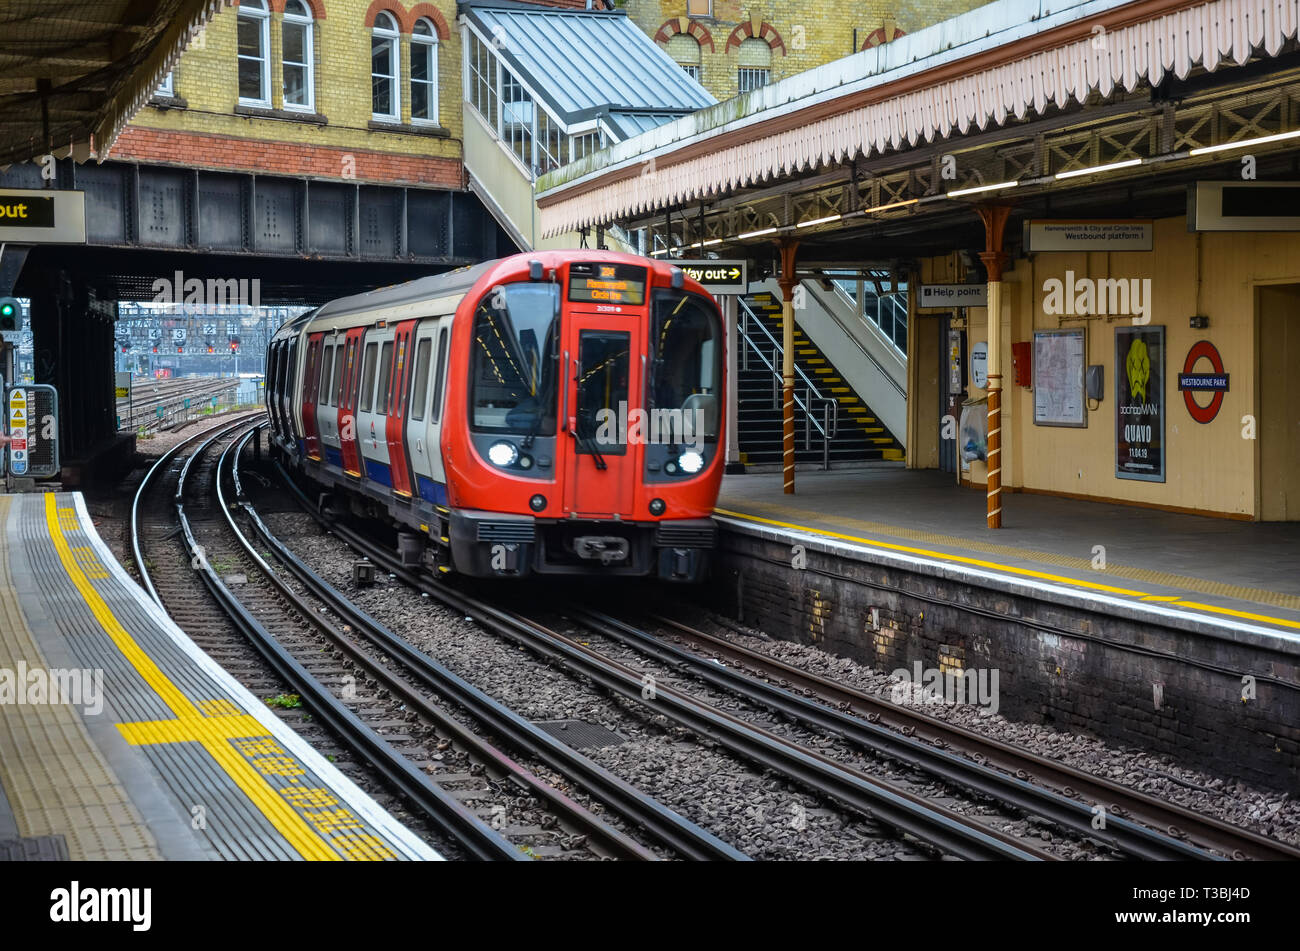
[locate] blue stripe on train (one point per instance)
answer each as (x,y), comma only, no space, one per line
(430,491)
(334,457)
(379,472)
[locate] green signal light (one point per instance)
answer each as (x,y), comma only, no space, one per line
(6,310)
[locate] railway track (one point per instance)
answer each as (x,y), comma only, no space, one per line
(935,826)
(1137,823)
(287,623)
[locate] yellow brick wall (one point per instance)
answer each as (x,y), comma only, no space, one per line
(205,78)
(813,33)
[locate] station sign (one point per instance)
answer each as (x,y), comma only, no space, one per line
(718,277)
(123,387)
(1215,383)
(953,295)
(17,416)
(1089,235)
(42,216)
(32,420)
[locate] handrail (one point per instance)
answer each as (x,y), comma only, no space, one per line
(829,424)
(778,378)
(901,391)
(780,349)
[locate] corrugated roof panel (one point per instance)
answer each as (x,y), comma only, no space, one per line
(581,61)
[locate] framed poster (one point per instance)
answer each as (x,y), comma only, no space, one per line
(1059,359)
(1140,403)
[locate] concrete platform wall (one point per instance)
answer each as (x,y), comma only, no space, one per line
(1061,665)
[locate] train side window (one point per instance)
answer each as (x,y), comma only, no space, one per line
(420,382)
(312,375)
(342,366)
(442,373)
(385,377)
(368,377)
(326,375)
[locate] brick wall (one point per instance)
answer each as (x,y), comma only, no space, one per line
(800,34)
(202,127)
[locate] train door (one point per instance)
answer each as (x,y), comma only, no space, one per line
(603,386)
(331,381)
(347,401)
(376,374)
(424,422)
(310,388)
(395,425)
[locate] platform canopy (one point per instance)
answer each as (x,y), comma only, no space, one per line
(74,72)
(1086,108)
(584,64)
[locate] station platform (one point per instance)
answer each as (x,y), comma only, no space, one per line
(121,739)
(1215,575)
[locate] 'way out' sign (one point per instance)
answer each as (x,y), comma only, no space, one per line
(42,216)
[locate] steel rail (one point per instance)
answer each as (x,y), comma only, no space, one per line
(908,813)
(615,843)
(443,810)
(1119,800)
(1122,834)
(666,825)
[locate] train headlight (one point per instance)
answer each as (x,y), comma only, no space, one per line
(690,461)
(537,503)
(657,506)
(503,453)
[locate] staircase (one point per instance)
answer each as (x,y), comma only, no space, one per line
(856,435)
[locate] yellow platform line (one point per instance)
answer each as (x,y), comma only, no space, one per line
(211,732)
(1010,569)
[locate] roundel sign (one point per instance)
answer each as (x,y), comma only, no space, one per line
(1191,382)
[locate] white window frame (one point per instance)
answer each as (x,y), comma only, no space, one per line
(166,88)
(259,11)
(395,36)
(429,45)
(306,21)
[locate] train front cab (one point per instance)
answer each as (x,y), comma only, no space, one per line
(591,412)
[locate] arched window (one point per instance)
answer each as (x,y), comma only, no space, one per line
(685,51)
(755,65)
(254,53)
(385,91)
(424,72)
(299,79)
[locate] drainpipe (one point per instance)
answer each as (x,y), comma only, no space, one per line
(995,259)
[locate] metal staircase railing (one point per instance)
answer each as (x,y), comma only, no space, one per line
(829,424)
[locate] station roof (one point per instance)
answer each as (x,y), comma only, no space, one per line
(73,73)
(588,63)
(998,67)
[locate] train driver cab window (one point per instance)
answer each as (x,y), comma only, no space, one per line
(420,380)
(686,367)
(368,377)
(514,365)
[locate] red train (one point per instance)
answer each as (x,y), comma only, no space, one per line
(557,412)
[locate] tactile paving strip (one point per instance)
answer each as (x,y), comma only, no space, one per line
(253,788)
(1166,579)
(56,780)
